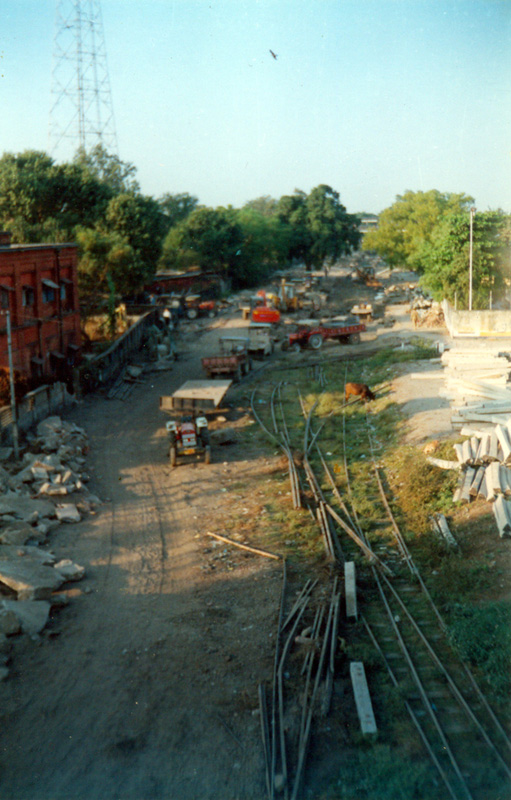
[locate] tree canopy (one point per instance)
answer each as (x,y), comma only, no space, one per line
(321,230)
(407,225)
(444,259)
(125,236)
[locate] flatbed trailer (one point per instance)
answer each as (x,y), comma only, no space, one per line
(312,334)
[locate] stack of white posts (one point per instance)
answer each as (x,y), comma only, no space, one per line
(485,461)
(476,382)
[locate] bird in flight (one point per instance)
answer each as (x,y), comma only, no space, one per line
(273,54)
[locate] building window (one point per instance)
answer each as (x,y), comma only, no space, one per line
(49,289)
(4,299)
(28,296)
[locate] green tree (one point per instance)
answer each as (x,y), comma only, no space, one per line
(42,201)
(265,246)
(211,237)
(320,229)
(444,259)
(333,231)
(407,225)
(265,205)
(105,257)
(292,212)
(108,169)
(176,208)
(138,221)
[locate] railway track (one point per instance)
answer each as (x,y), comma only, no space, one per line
(467,747)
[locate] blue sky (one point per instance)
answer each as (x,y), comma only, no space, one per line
(372,97)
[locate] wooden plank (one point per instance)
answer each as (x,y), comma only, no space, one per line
(350,589)
(196,395)
(362,698)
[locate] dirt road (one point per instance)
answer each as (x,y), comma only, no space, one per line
(145,686)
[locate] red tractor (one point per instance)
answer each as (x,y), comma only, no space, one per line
(188,432)
(187,437)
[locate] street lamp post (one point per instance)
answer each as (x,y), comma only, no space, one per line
(470,254)
(11,382)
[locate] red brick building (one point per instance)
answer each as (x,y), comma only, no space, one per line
(39,286)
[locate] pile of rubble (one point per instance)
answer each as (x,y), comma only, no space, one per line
(426,313)
(484,461)
(46,489)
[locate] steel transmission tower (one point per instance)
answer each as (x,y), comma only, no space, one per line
(81,114)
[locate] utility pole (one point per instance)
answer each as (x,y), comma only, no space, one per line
(11,383)
(81,114)
(470,254)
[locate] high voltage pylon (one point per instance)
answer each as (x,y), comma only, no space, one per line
(81,114)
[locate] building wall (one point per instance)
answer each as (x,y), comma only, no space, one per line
(39,284)
(476,323)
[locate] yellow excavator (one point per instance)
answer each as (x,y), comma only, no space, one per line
(287,298)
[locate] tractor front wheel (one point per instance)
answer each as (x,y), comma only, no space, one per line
(315,341)
(192,313)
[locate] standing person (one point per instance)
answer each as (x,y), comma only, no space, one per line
(169,327)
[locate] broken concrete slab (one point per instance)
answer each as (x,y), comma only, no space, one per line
(69,570)
(30,552)
(25,507)
(17,533)
(32,615)
(67,512)
(9,622)
(30,581)
(50,425)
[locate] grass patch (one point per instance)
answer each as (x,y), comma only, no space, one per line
(419,488)
(376,772)
(482,635)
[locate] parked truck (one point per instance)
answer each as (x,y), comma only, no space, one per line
(233,359)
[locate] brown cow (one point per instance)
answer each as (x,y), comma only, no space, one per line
(358,390)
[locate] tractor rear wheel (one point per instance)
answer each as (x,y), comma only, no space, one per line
(315,341)
(207,454)
(173,456)
(192,313)
(295,348)
(354,338)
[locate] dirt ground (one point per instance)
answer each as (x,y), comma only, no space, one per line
(145,685)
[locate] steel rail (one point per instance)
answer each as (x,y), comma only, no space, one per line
(418,682)
(411,712)
(443,625)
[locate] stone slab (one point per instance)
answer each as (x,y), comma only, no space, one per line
(17,533)
(24,507)
(67,512)
(362,698)
(32,615)
(351,589)
(30,581)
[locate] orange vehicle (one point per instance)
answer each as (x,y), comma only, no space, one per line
(265,314)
